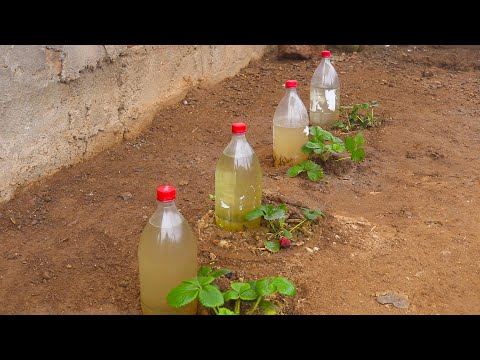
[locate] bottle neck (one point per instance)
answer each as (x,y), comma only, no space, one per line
(326,60)
(238,137)
(291,91)
(164,205)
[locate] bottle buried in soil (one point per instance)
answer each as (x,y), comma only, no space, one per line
(167,254)
(238,183)
(324,94)
(290,128)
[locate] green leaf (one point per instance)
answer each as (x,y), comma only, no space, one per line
(312,214)
(268,307)
(284,286)
(359,140)
(350,144)
(295,170)
(275,214)
(249,294)
(286,233)
(306,150)
(315,175)
(230,295)
(204,271)
(338,148)
(364,106)
(272,246)
(240,287)
(210,296)
(193,281)
(265,287)
(204,280)
(283,207)
(314,145)
(358,155)
(310,165)
(182,295)
(252,215)
(217,273)
(225,311)
(252,283)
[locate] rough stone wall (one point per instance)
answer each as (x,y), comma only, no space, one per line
(60,104)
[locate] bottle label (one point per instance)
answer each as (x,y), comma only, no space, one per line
(323,100)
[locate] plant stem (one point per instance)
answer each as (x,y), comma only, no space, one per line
(345,158)
(237,306)
(215,310)
(298,225)
(256,305)
(272,226)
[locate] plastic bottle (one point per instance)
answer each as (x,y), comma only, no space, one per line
(238,183)
(324,94)
(167,254)
(290,128)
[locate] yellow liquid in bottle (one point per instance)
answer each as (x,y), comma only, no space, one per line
(166,256)
(238,191)
(287,145)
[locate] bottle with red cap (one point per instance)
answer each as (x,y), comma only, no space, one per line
(238,183)
(167,255)
(324,94)
(290,128)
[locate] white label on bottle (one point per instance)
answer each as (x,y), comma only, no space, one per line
(306,130)
(223,205)
(315,104)
(330,96)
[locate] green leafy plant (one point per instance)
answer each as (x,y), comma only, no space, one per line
(276,216)
(314,171)
(358,116)
(210,296)
(323,144)
(354,147)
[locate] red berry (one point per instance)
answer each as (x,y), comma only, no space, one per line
(284,242)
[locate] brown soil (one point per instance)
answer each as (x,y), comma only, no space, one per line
(405,220)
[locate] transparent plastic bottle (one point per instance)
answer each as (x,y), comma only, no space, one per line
(324,94)
(167,254)
(290,128)
(238,183)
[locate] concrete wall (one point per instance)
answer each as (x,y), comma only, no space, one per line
(60,104)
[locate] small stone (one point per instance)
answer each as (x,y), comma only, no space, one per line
(315,248)
(427,73)
(224,244)
(212,256)
(126,196)
(185,102)
(445,252)
(69,266)
(309,250)
(46,275)
(12,256)
(398,300)
(183,183)
(123,284)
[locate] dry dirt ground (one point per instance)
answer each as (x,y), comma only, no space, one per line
(404,220)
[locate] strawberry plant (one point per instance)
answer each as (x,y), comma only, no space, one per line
(322,144)
(208,293)
(358,116)
(276,216)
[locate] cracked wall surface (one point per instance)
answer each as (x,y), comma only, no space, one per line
(61,104)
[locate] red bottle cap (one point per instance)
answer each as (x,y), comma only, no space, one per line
(291,84)
(166,193)
(325,53)
(239,128)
